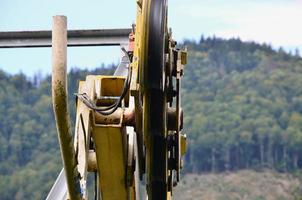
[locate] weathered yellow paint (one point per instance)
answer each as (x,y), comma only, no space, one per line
(137,48)
(184,57)
(169,196)
(110,140)
(82,133)
(110,154)
(110,86)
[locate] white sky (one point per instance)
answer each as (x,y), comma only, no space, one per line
(276,22)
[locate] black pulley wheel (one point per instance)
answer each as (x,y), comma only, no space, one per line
(154,99)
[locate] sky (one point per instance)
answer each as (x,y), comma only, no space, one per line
(275,22)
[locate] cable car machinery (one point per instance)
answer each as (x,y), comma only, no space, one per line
(128,126)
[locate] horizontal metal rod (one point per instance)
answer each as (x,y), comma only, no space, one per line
(90,37)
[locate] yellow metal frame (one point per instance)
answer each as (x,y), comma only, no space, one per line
(110,140)
(111,162)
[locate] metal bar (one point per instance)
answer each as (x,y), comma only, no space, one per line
(60,105)
(89,37)
(59,188)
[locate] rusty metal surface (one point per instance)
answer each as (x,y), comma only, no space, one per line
(59,99)
(126,117)
(88,37)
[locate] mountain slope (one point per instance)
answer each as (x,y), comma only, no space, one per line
(245,184)
(242,104)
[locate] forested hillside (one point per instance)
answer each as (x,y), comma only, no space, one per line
(242,104)
(30,157)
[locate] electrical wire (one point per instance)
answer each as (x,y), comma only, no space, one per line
(112,108)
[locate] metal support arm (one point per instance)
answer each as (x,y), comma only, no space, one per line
(92,37)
